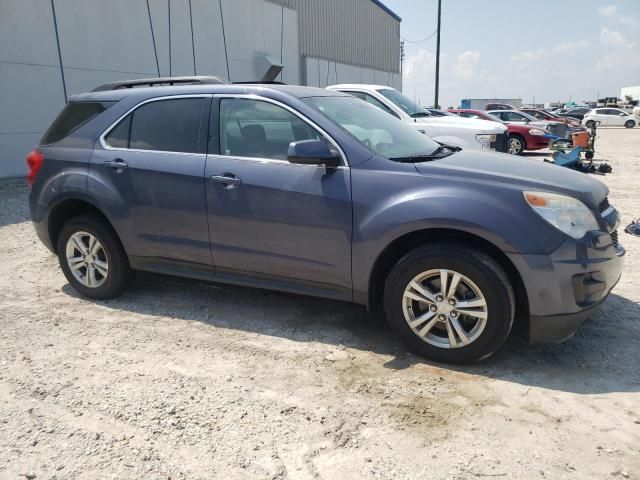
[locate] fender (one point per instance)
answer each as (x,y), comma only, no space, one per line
(410,202)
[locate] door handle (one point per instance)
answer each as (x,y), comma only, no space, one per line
(118,164)
(228,180)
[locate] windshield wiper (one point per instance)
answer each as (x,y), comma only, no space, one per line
(420,114)
(441,152)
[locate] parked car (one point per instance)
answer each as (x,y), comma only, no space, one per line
(515,116)
(609,117)
(499,106)
(440,113)
(476,135)
(312,191)
(578,113)
(544,115)
(558,129)
(521,137)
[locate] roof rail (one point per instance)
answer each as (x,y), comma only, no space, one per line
(150,82)
(260,82)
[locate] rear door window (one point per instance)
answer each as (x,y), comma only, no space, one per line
(72,117)
(173,125)
(168,125)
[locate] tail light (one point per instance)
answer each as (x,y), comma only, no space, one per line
(35,159)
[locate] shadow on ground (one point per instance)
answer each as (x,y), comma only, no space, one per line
(603,357)
(14,203)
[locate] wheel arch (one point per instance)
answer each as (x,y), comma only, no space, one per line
(68,208)
(409,241)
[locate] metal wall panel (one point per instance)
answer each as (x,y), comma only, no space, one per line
(209,42)
(355,32)
(324,41)
(318,72)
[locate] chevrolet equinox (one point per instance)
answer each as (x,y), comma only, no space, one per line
(316,192)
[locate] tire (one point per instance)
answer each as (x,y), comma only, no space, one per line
(629,124)
(481,272)
(105,282)
(515,145)
(590,124)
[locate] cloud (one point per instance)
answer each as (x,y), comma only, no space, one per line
(630,20)
(611,38)
(607,10)
(466,65)
(567,47)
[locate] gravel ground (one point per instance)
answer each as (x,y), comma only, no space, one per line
(184,379)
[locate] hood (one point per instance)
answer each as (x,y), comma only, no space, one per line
(517,172)
(541,124)
(471,125)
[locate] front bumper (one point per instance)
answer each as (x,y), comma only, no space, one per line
(558,328)
(569,285)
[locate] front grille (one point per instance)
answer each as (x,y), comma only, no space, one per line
(501,143)
(614,238)
(604,205)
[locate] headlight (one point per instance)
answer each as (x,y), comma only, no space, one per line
(536,131)
(567,214)
(486,139)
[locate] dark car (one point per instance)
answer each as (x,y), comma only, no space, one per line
(521,137)
(316,192)
(498,106)
(578,113)
(544,115)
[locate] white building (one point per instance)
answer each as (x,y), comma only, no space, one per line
(633,92)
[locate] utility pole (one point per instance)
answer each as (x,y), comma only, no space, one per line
(401,56)
(435,102)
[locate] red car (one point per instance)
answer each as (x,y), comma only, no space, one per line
(521,137)
(550,117)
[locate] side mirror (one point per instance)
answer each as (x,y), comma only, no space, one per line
(313,152)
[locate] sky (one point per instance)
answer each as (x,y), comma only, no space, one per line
(542,50)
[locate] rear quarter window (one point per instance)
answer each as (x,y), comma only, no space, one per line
(72,117)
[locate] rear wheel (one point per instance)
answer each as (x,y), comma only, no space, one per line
(92,258)
(450,303)
(590,124)
(516,145)
(629,124)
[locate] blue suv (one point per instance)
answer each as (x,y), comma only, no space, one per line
(315,192)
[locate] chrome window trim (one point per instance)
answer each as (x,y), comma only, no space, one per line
(307,120)
(106,132)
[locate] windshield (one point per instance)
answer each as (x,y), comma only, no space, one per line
(376,129)
(405,103)
(493,118)
(531,118)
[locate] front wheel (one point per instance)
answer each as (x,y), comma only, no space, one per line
(450,303)
(590,124)
(516,145)
(629,124)
(92,258)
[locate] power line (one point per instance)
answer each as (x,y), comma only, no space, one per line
(420,41)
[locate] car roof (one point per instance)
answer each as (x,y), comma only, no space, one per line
(162,91)
(359,86)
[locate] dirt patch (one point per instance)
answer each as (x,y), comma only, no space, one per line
(184,379)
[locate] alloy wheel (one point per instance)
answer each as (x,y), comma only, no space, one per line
(515,146)
(445,308)
(87,259)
